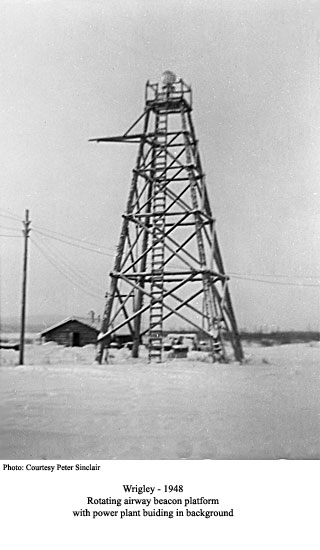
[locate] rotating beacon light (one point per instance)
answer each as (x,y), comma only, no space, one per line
(168,79)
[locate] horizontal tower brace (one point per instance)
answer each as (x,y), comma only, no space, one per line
(191,272)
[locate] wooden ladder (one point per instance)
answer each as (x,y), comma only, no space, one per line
(158,232)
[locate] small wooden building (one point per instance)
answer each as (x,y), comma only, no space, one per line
(71,332)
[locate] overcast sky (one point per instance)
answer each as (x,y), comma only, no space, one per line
(73,70)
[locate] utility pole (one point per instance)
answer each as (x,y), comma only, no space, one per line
(26,230)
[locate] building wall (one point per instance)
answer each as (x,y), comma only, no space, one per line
(64,335)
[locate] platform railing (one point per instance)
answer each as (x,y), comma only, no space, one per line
(155,92)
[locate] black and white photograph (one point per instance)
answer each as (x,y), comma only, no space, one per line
(160,266)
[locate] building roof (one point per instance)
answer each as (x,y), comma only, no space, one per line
(64,322)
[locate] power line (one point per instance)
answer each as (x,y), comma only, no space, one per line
(53,263)
(71,238)
(64,274)
(82,274)
(9,215)
(74,271)
(69,271)
(74,244)
(233,275)
(275,282)
(255,277)
(14,236)
(281,275)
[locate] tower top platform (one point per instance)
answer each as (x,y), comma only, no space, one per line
(170,96)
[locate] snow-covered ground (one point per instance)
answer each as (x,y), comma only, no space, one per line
(62,406)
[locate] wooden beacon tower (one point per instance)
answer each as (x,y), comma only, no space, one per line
(168,261)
